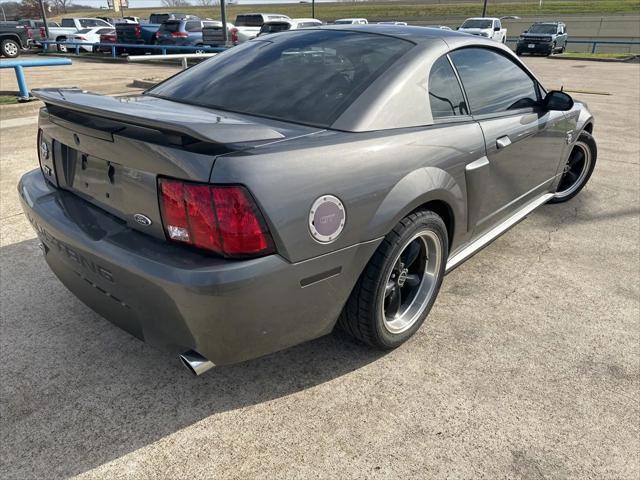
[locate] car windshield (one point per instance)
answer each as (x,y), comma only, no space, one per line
(302,76)
(543,29)
(249,21)
(158,17)
(273,27)
(477,23)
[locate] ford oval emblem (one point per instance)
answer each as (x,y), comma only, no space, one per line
(142,219)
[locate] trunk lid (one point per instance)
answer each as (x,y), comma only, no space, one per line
(111,150)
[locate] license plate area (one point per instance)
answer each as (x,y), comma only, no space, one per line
(532,45)
(89,176)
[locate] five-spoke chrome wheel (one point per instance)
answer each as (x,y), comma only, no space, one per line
(400,283)
(575,170)
(411,282)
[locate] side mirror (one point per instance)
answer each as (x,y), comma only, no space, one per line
(496,29)
(557,100)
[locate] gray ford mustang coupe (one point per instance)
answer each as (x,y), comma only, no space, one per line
(300,181)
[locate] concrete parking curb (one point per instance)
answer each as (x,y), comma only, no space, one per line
(629,59)
(20,109)
(145,83)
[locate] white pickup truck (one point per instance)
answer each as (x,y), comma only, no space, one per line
(485,27)
(248,25)
(70,26)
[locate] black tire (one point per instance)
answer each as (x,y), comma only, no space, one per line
(363,317)
(10,48)
(552,49)
(568,189)
(519,53)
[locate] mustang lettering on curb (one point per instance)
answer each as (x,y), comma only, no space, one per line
(302,181)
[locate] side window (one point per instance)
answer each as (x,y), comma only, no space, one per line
(493,82)
(498,24)
(68,22)
(445,96)
(193,26)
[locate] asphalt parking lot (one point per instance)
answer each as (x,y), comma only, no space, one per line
(527,367)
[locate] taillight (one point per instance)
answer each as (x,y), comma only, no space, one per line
(137,30)
(223,219)
(179,34)
(234,35)
(43,33)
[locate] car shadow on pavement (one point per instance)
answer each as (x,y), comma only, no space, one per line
(77,392)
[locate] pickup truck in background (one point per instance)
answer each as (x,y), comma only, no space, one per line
(485,27)
(248,25)
(13,39)
(71,26)
(544,37)
(145,33)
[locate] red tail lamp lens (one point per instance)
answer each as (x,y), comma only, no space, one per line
(223,219)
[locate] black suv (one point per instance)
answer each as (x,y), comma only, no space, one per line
(543,37)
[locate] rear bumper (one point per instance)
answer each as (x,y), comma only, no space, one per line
(181,299)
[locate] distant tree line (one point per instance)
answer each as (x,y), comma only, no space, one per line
(31,8)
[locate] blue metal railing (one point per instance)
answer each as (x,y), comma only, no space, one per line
(593,43)
(130,46)
(18,66)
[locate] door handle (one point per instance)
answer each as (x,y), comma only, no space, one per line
(503,142)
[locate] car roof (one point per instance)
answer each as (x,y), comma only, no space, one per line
(407,32)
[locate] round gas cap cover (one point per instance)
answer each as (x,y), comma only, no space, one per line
(327,219)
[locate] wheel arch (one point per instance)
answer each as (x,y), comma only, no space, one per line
(427,188)
(11,36)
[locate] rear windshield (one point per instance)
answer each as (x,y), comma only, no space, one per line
(274,27)
(543,29)
(170,27)
(478,23)
(249,21)
(158,17)
(303,76)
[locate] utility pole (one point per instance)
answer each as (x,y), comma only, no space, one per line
(44,19)
(313,8)
(223,14)
(484,9)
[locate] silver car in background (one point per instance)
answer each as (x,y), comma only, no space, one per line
(314,178)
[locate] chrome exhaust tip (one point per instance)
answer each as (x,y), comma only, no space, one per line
(195,363)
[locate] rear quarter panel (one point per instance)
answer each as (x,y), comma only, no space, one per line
(378,176)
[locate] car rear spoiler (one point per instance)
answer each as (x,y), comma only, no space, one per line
(152,112)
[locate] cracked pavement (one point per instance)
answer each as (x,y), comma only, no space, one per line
(527,367)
